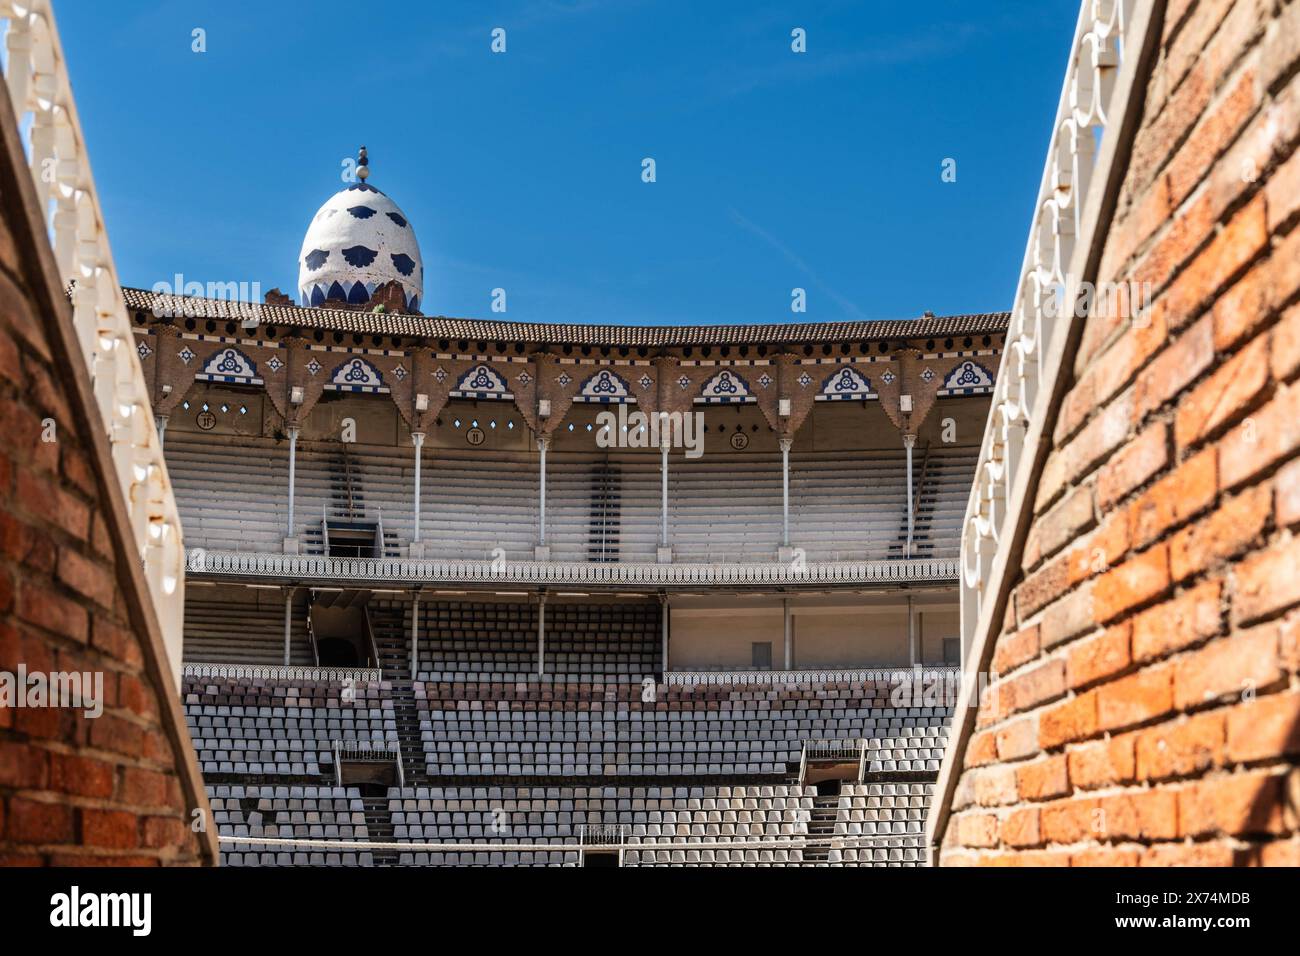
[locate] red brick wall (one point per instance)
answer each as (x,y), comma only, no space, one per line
(73,789)
(1144,705)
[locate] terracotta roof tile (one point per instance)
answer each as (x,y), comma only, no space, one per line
(444,327)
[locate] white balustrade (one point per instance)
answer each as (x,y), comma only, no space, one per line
(1044,299)
(36,76)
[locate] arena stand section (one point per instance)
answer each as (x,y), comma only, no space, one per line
(465,592)
(440,562)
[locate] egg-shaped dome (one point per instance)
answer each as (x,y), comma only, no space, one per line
(357,242)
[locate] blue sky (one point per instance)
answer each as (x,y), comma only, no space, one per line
(522,170)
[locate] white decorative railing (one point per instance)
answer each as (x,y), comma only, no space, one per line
(300,567)
(279,672)
(37,79)
(1045,297)
(1106,81)
(895,675)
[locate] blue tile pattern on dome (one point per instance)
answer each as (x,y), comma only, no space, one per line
(359,255)
(361,212)
(315,259)
(398,218)
(404,263)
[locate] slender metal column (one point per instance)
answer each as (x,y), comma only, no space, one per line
(785,444)
(542,444)
(663,501)
(908,442)
(162,430)
(293,464)
(417,438)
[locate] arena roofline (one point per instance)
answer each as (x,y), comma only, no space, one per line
(163,305)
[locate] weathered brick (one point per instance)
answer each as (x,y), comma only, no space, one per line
(1265,727)
(81,776)
(1067,618)
(1239,241)
(1139,815)
(1043,779)
(1015,649)
(39,822)
(1018,738)
(1035,685)
(1020,828)
(1181,747)
(87,577)
(1135,582)
(1133,465)
(1135,699)
(1071,719)
(1175,368)
(1188,619)
(1225,396)
(112,829)
(1103,763)
(1266,582)
(1236,525)
(1230,665)
(1071,821)
(1188,489)
(1098,657)
(1261,440)
(977,829)
(1237,804)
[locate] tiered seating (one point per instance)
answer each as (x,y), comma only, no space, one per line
(242,626)
(261,726)
(316,813)
(945,490)
(892,814)
(568,729)
(469,641)
(555,815)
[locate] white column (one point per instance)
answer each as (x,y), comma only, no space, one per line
(789,634)
(162,430)
(785,444)
(908,442)
(541,634)
(417,438)
(288,623)
(415,634)
(663,497)
(293,464)
(542,444)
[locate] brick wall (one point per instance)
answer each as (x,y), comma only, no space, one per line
(1144,704)
(114,789)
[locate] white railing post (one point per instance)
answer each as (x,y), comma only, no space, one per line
(785,444)
(543,444)
(417,438)
(293,467)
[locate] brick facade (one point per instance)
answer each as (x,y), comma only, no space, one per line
(1144,696)
(119,788)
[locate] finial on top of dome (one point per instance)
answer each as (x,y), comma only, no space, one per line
(363,165)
